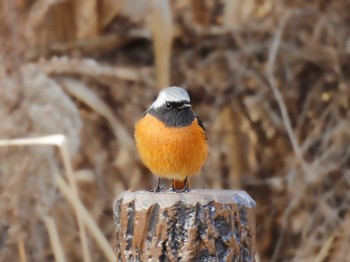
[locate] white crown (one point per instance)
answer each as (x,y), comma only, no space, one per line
(171,94)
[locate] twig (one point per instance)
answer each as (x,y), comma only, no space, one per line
(324,252)
(278,96)
(285,217)
(86,18)
(54,239)
(88,220)
(10,20)
(70,192)
(287,123)
(83,93)
(63,146)
(61,142)
(89,67)
(21,250)
(162,30)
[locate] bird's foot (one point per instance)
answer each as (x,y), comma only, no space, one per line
(183,190)
(157,190)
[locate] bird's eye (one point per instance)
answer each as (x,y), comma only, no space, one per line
(168,105)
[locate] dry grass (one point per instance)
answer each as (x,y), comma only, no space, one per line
(71,194)
(269,78)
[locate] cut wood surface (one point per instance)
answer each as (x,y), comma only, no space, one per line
(201,225)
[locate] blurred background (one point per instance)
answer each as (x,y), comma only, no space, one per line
(269,78)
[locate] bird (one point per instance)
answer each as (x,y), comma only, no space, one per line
(171,139)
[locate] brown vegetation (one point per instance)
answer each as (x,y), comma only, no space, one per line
(270,80)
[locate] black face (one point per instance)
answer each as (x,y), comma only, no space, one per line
(174,114)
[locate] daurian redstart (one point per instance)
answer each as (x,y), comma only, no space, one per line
(171,139)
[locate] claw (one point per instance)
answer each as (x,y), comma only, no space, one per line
(183,190)
(159,189)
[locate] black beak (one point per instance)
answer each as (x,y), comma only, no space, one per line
(184,106)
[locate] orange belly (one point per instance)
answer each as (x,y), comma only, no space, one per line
(171,152)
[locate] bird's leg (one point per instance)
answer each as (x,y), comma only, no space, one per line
(158,189)
(172,188)
(187,185)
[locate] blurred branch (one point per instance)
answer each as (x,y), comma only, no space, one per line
(54,239)
(61,142)
(278,96)
(162,29)
(10,51)
(89,67)
(21,249)
(88,220)
(83,93)
(100,44)
(324,252)
(86,18)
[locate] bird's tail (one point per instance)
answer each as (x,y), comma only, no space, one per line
(180,185)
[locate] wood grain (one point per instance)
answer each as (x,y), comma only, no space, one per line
(201,225)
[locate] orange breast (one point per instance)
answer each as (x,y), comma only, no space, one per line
(171,152)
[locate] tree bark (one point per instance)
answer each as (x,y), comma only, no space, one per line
(202,225)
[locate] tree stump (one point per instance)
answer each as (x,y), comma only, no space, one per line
(201,225)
